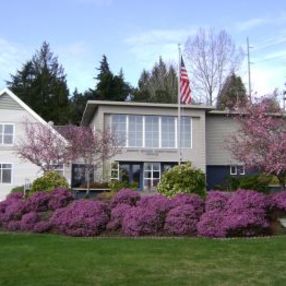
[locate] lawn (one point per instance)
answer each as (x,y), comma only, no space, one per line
(27,259)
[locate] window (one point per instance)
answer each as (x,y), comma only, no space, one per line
(233,170)
(6,134)
(152,174)
(114,171)
(118,127)
(5,173)
(186,140)
(152,131)
(237,170)
(135,131)
(168,132)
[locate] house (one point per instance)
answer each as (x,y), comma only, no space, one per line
(13,170)
(147,133)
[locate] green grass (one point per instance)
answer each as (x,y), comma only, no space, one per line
(41,260)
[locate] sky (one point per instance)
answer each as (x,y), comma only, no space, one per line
(133,34)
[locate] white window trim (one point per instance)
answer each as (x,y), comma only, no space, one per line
(243,170)
(7,184)
(143,146)
(113,169)
(152,175)
(230,170)
(13,135)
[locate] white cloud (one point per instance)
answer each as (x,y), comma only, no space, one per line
(148,46)
(261,21)
(250,24)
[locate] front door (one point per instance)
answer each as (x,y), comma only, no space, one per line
(152,175)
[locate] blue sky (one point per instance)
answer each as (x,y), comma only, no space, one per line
(133,34)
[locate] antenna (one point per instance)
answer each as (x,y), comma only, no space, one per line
(249,71)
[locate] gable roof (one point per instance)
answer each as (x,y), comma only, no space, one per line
(30,111)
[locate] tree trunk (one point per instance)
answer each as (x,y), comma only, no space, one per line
(87,181)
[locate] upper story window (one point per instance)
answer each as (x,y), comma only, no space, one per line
(6,134)
(118,127)
(168,132)
(5,173)
(135,131)
(151,131)
(186,134)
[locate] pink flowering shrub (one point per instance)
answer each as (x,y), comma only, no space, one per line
(210,224)
(38,202)
(117,215)
(183,219)
(29,220)
(242,213)
(216,200)
(81,218)
(141,221)
(125,196)
(278,202)
(59,198)
(42,226)
(14,211)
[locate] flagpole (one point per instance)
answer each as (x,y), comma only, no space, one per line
(179,108)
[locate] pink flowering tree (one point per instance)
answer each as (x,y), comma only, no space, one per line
(93,148)
(260,142)
(42,146)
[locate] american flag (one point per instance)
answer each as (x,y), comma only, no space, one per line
(185,90)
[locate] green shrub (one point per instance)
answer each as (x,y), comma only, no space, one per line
(48,182)
(258,183)
(18,189)
(116,185)
(182,179)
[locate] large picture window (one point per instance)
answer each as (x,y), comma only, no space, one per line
(168,132)
(135,131)
(151,131)
(5,173)
(6,134)
(186,132)
(119,128)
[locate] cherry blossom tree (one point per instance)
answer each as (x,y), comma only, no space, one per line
(43,146)
(93,148)
(260,142)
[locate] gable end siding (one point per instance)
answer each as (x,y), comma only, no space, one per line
(6,102)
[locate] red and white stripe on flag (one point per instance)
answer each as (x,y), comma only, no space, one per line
(185,90)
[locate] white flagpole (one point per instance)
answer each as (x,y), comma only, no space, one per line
(179,108)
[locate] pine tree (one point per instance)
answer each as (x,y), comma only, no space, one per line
(110,86)
(232,94)
(41,83)
(159,85)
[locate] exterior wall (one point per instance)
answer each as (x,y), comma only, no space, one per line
(196,154)
(12,112)
(219,127)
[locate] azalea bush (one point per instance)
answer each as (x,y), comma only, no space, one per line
(81,218)
(183,178)
(219,214)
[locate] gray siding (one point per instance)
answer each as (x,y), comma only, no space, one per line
(219,127)
(6,102)
(196,154)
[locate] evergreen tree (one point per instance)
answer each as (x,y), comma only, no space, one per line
(110,86)
(232,94)
(41,83)
(159,85)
